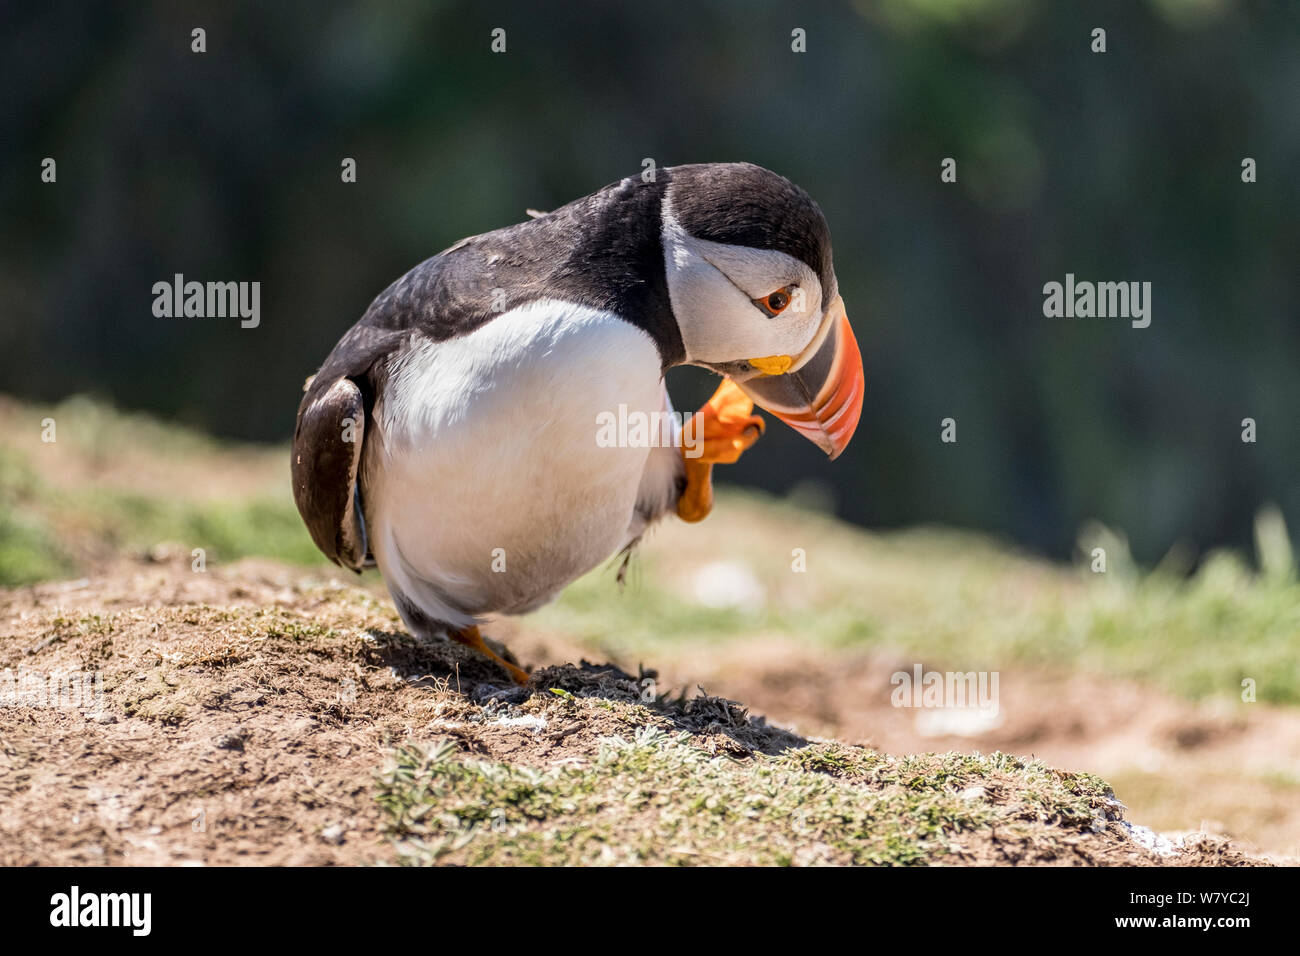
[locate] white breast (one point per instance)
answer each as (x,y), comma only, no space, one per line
(485,487)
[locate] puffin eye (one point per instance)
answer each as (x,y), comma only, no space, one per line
(775,303)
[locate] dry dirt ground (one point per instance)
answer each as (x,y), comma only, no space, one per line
(249,711)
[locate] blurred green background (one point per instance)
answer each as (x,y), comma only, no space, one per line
(1116,166)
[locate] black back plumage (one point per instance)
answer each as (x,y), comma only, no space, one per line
(603,251)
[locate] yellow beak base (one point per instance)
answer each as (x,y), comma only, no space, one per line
(773,364)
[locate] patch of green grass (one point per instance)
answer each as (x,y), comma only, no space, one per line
(955,601)
(226,530)
(29,552)
(657,799)
(29,548)
(39,521)
(285,625)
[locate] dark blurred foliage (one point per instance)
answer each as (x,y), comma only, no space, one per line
(1122,166)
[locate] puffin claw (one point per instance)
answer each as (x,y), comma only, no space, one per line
(471,638)
(716,435)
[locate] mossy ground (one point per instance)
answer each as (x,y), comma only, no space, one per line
(653,797)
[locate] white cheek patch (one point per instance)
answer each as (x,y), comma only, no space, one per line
(713,286)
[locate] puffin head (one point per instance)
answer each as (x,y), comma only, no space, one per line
(748,257)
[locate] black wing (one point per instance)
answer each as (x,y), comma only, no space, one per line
(326,455)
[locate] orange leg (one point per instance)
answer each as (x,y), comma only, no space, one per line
(716,435)
(471,638)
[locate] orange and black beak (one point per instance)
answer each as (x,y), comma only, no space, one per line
(821,397)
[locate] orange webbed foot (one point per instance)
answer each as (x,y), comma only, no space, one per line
(716,435)
(471,638)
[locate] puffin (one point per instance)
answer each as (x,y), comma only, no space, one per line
(452,437)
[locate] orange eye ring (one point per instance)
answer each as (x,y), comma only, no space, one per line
(776,302)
